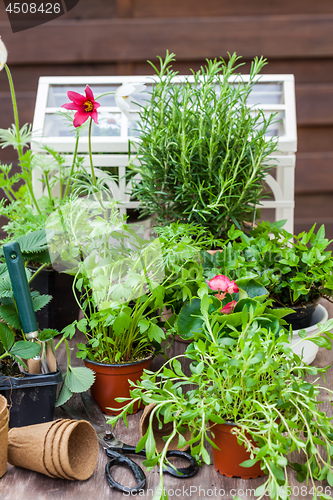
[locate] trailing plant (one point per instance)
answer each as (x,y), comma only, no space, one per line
(247,375)
(295,269)
(202,150)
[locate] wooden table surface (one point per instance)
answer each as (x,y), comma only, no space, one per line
(21,484)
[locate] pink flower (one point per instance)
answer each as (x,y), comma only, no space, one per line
(84,106)
(223,284)
(228,308)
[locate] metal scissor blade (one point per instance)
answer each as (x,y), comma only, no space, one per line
(78,415)
(94,412)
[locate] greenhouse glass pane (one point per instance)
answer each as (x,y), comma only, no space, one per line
(56,125)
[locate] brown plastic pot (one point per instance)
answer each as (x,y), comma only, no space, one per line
(112,381)
(230,455)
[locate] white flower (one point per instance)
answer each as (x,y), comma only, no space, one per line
(3,54)
(125,100)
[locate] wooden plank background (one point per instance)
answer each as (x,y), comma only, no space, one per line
(117,37)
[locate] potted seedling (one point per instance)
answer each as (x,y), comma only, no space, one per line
(122,283)
(296,270)
(250,392)
(202,151)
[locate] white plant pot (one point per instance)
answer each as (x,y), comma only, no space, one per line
(306,349)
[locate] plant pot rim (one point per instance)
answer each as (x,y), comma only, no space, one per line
(30,380)
(131,363)
(313,326)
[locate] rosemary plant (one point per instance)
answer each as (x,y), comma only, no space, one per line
(202,149)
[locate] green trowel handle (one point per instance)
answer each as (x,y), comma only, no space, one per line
(21,289)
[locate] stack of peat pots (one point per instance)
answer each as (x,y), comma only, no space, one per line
(64,448)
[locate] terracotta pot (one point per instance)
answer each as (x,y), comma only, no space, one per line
(112,381)
(231,454)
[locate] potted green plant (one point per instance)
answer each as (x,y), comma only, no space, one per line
(122,283)
(29,373)
(296,270)
(201,150)
(249,387)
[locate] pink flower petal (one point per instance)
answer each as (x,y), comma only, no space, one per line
(89,93)
(79,118)
(70,105)
(219,282)
(228,308)
(76,97)
(94,116)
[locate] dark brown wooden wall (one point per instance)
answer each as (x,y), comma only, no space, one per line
(110,37)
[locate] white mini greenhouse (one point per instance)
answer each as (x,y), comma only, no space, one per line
(113,140)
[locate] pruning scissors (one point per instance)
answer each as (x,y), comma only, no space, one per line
(117,451)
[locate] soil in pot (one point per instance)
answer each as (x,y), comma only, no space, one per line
(31,398)
(230,455)
(112,381)
(302,317)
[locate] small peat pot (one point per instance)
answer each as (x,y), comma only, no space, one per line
(230,455)
(4,417)
(66,449)
(31,398)
(112,381)
(306,349)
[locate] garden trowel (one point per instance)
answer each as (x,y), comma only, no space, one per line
(45,362)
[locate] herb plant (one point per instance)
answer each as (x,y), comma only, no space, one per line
(246,375)
(202,150)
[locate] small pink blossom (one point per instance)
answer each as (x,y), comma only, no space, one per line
(84,106)
(223,284)
(228,308)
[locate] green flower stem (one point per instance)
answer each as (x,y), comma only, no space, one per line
(38,271)
(17,126)
(16,118)
(90,156)
(73,163)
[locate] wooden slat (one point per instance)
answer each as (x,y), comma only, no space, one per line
(314,173)
(190,38)
(314,104)
(176,8)
(314,139)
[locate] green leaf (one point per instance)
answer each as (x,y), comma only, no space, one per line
(249,463)
(47,334)
(10,316)
(189,320)
(25,349)
(330,477)
(79,379)
(64,396)
(7,337)
(277,471)
(40,301)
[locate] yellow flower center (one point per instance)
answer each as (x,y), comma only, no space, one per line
(88,106)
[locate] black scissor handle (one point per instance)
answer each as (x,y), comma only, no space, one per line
(122,460)
(182,472)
